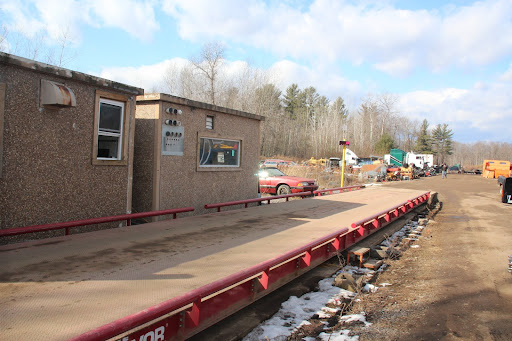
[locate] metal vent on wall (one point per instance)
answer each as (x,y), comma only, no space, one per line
(56,96)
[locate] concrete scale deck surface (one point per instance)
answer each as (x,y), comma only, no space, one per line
(57,288)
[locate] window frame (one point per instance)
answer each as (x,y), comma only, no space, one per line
(114,99)
(238,166)
(2,109)
(212,118)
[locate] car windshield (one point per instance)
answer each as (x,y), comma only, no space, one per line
(265,173)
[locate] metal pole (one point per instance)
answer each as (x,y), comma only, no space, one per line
(343,165)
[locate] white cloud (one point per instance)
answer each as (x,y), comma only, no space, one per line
(135,17)
(328,84)
(507,76)
(486,109)
(393,40)
(148,77)
(57,17)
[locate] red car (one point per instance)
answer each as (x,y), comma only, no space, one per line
(273,181)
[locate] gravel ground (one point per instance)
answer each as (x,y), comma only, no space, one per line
(455,285)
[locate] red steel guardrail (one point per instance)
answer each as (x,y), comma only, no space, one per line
(202,307)
(287,196)
(338,189)
(68,224)
(218,206)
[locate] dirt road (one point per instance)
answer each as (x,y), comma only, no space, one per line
(455,286)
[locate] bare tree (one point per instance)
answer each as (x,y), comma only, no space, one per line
(208,63)
(3,38)
(40,47)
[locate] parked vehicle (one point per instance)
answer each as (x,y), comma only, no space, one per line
(271,163)
(273,181)
(454,169)
(277,162)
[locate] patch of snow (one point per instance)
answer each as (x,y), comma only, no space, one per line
(355,318)
(385,284)
(294,311)
(339,335)
(304,323)
(326,312)
(370,288)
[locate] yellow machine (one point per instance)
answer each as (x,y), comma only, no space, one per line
(317,162)
(407,173)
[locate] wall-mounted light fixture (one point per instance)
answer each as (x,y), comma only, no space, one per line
(173,111)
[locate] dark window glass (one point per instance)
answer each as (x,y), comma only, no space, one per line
(108,147)
(110,117)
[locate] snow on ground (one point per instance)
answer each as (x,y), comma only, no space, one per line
(355,318)
(296,311)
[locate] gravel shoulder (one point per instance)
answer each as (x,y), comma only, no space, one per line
(456,284)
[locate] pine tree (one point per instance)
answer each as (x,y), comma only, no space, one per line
(385,144)
(442,142)
(292,101)
(424,140)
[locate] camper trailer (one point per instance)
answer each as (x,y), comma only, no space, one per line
(420,160)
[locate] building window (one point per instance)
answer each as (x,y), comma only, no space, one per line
(209,122)
(110,129)
(219,152)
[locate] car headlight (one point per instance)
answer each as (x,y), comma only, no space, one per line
(301,184)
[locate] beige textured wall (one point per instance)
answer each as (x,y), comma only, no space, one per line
(144,159)
(47,172)
(181,182)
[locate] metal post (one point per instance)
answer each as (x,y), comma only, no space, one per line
(343,165)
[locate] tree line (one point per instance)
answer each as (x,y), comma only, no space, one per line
(301,123)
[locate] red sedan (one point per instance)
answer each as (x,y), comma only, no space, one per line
(273,181)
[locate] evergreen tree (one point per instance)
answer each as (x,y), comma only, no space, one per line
(292,101)
(442,142)
(424,140)
(385,144)
(339,107)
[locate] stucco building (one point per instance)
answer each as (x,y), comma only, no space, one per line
(74,146)
(189,153)
(66,144)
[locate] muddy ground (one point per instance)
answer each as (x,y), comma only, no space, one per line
(455,286)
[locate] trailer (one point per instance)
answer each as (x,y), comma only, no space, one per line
(421,161)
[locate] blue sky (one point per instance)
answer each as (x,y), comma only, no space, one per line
(446,61)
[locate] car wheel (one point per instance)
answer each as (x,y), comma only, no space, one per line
(283,190)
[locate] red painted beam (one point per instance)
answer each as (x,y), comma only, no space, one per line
(340,189)
(92,221)
(248,201)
